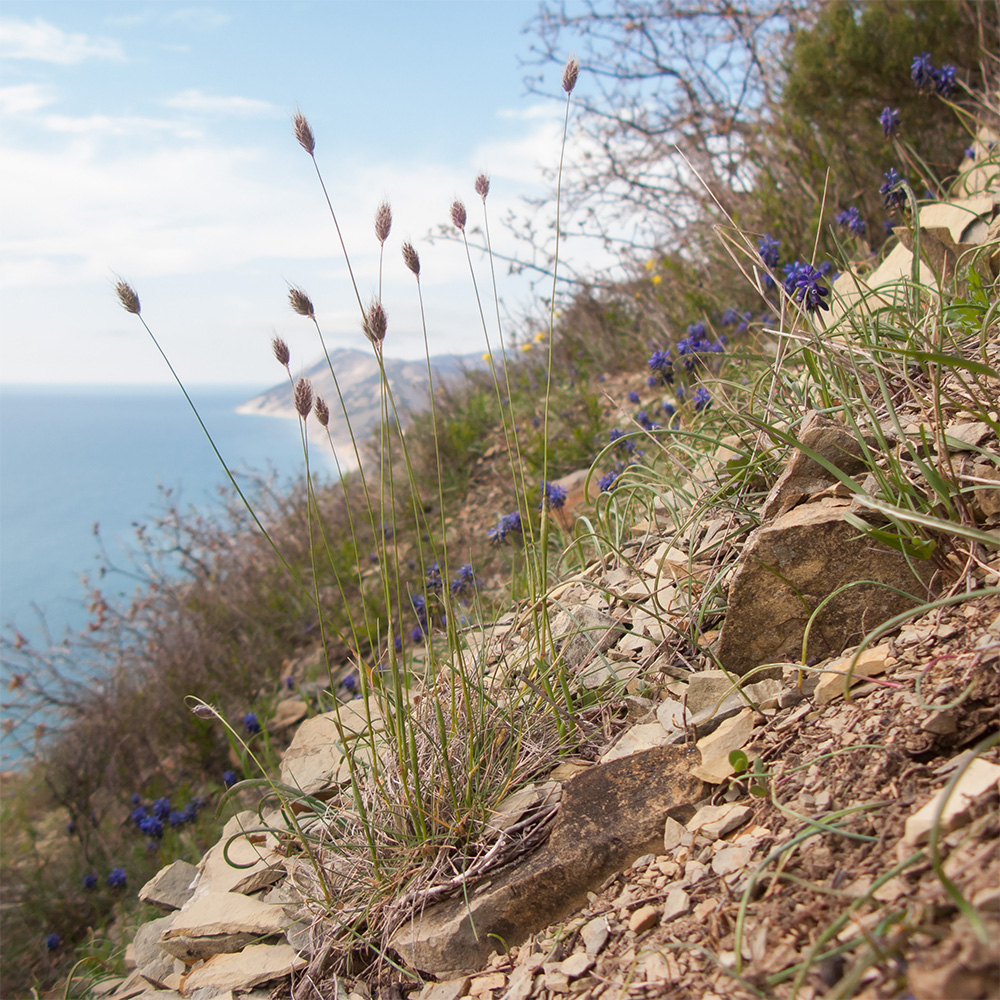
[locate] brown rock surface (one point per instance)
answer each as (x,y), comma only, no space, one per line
(790,566)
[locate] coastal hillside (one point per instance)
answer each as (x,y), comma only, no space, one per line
(659,658)
(358,382)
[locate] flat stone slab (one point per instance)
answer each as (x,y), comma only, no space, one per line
(609,815)
(315,760)
(171,887)
(221,922)
(255,964)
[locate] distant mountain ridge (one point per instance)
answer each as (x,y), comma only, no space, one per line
(358,376)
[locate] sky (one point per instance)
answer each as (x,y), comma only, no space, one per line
(152,141)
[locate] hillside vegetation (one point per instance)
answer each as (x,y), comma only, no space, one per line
(806,151)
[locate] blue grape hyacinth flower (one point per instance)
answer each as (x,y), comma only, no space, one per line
(889,120)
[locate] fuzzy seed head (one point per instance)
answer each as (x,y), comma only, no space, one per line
(383,221)
(411,258)
(303,397)
(570,73)
(304,133)
(375,323)
(301,303)
(281,351)
(127,297)
(482,186)
(322,411)
(458,215)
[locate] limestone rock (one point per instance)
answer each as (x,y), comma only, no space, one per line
(257,963)
(450,989)
(716,821)
(220,922)
(153,963)
(610,815)
(286,714)
(640,737)
(171,887)
(804,476)
(716,747)
(584,630)
(831,682)
(790,566)
(977,779)
(315,761)
(247,864)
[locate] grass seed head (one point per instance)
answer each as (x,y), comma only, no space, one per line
(281,351)
(570,73)
(127,297)
(482,186)
(375,322)
(322,411)
(411,258)
(383,221)
(303,397)
(301,303)
(304,133)
(458,215)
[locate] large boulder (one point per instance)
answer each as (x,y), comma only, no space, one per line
(790,566)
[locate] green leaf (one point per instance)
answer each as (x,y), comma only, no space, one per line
(910,545)
(739,761)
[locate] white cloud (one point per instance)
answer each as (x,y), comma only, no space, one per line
(200,103)
(24,98)
(132,125)
(44,42)
(201,18)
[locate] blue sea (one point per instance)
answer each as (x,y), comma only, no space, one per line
(75,457)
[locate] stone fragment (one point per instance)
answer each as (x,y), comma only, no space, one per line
(315,762)
(675,834)
(660,967)
(733,858)
(583,630)
(255,964)
(287,714)
(576,965)
(716,747)
(485,984)
(638,738)
(171,887)
(555,981)
(244,864)
(677,903)
(610,815)
(594,934)
(967,435)
(988,497)
(151,960)
(802,475)
(220,922)
(830,686)
(977,778)
(645,917)
(792,565)
(716,821)
(520,985)
(449,989)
